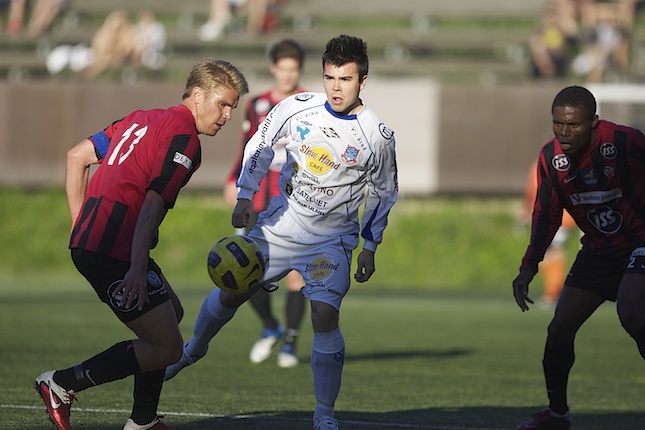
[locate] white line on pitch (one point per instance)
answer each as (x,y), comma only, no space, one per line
(242,416)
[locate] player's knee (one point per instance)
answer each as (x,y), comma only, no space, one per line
(559,332)
(329,342)
(632,317)
(173,353)
(629,304)
(230,300)
(324,317)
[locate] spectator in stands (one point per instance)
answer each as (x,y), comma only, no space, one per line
(114,44)
(549,45)
(111,44)
(42,15)
(221,12)
(15,10)
(609,40)
(585,11)
(149,41)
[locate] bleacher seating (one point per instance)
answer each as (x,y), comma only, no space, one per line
(456,41)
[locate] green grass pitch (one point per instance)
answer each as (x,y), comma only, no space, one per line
(434,339)
(413,361)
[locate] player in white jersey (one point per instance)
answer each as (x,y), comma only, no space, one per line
(339,156)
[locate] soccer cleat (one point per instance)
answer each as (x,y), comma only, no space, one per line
(287,357)
(57,400)
(545,421)
(325,423)
(262,348)
(155,424)
(185,360)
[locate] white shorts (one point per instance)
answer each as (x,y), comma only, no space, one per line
(323,261)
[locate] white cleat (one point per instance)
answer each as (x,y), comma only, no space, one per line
(155,424)
(325,423)
(261,350)
(287,357)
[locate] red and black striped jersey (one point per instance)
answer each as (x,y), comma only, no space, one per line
(603,189)
(256,110)
(155,150)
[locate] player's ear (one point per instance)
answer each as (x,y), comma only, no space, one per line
(198,94)
(594,122)
(363,82)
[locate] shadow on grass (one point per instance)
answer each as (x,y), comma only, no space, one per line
(473,418)
(419,353)
(397,355)
(458,418)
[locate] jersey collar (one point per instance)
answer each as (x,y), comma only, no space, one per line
(334,113)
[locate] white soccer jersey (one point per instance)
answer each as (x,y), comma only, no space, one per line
(333,164)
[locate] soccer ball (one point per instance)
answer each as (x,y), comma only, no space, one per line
(236,264)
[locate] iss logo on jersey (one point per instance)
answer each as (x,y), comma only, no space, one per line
(321,267)
(608,150)
(561,163)
(605,219)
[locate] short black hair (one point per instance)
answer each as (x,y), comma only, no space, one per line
(577,97)
(347,49)
(287,48)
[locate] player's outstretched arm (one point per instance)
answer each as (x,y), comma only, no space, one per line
(365,263)
(134,284)
(77,170)
(521,289)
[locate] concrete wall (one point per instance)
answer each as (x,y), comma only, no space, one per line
(449,140)
(489,137)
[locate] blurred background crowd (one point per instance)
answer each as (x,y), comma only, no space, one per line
(442,72)
(486,42)
(589,38)
(89,39)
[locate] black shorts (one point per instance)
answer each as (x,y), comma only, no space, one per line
(105,273)
(602,273)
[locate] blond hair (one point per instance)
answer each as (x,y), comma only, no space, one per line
(209,74)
